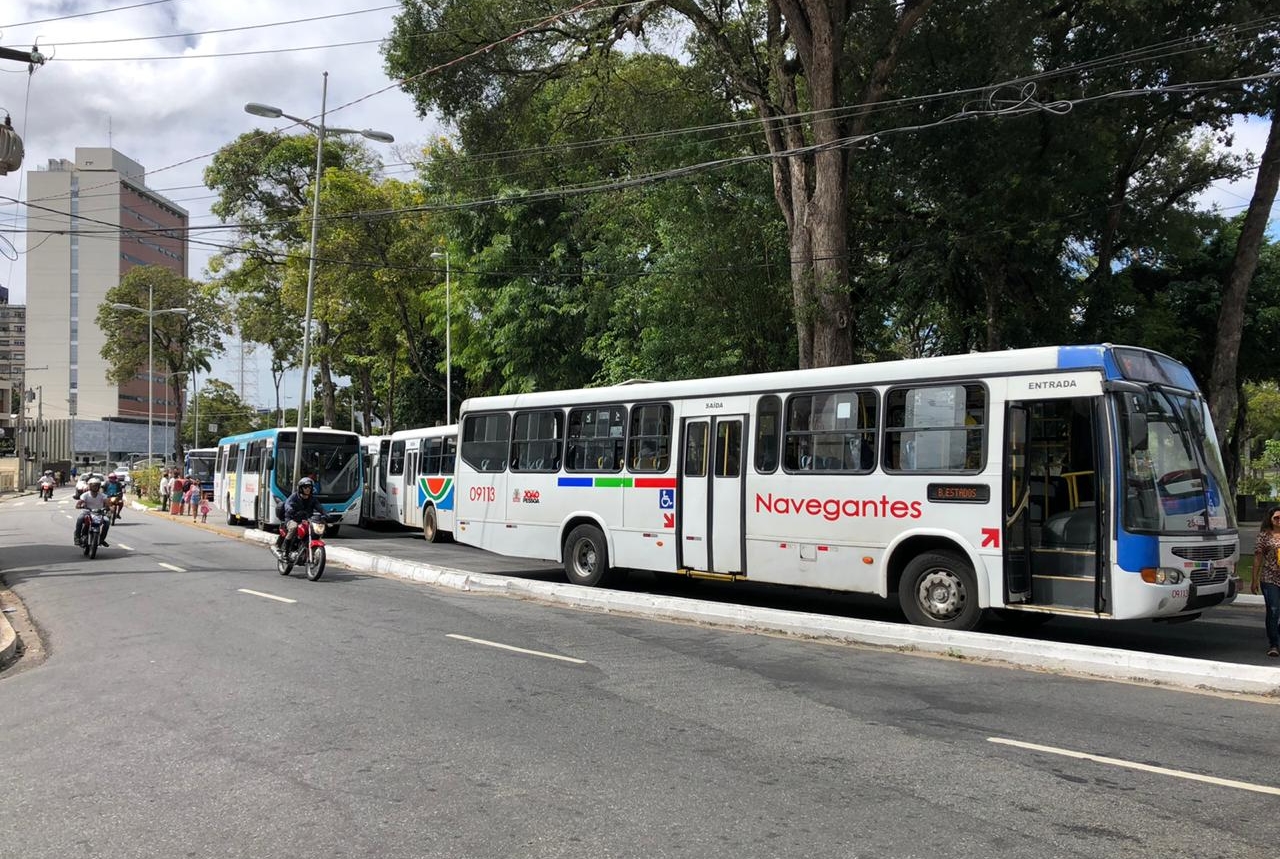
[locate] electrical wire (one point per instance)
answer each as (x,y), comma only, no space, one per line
(229,29)
(84,14)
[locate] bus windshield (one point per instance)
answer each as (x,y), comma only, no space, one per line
(1173,474)
(201,466)
(332,462)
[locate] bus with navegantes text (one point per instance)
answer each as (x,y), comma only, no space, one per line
(1033,483)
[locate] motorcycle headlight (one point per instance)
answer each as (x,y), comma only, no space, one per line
(318,527)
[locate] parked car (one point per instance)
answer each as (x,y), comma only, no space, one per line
(82,482)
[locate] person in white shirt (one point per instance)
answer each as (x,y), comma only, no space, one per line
(166,483)
(93,498)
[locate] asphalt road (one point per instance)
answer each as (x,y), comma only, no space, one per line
(178,715)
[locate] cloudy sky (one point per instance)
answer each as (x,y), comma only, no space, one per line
(170,103)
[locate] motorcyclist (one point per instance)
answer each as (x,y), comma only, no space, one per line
(93,498)
(114,490)
(46,481)
(298,507)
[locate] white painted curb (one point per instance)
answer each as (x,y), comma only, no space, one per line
(8,640)
(1047,655)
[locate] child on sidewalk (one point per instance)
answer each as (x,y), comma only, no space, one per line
(191,499)
(204,509)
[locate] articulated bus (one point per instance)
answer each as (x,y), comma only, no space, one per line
(415,471)
(254,473)
(1073,480)
(200,463)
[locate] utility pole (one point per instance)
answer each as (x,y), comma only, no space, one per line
(32,57)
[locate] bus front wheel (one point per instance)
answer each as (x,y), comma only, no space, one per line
(939,589)
(586,556)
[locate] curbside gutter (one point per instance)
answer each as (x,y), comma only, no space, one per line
(1100,662)
(8,640)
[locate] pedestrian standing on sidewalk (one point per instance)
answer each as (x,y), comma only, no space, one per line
(1266,575)
(165,482)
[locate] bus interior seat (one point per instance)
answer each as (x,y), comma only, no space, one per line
(1072,529)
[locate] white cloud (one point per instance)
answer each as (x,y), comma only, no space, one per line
(164,112)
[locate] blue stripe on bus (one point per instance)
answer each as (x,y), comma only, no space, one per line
(1135,551)
(575,481)
(1082,357)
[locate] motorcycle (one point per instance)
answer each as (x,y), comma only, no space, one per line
(92,535)
(116,504)
(307,551)
(46,490)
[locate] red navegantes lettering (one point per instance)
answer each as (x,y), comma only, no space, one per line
(832,509)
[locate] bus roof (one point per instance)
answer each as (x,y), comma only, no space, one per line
(292,431)
(424,432)
(1114,362)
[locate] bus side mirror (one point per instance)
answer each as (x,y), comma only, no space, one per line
(1137,431)
(271,463)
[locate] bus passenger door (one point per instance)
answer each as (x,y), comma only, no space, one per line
(710,495)
(1055,537)
(1017,519)
(410,513)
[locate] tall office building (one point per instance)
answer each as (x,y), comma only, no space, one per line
(96,202)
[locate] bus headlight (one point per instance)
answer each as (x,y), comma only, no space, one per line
(1162,575)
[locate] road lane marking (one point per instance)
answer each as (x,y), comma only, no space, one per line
(171,567)
(18,503)
(130,548)
(1133,765)
(265,596)
(516,649)
(69,516)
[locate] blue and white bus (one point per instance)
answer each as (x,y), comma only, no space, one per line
(254,473)
(1072,480)
(200,463)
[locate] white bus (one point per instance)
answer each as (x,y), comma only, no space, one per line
(416,474)
(254,473)
(1074,480)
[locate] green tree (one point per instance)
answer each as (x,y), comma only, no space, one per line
(217,403)
(180,340)
(810,70)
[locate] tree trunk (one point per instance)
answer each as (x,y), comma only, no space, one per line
(177,415)
(328,394)
(1224,386)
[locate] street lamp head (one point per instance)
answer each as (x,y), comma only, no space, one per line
(437,255)
(266,110)
(177,311)
(379,136)
(119,306)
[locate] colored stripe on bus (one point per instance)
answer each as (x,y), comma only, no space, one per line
(619,482)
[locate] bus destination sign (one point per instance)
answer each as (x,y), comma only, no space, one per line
(960,493)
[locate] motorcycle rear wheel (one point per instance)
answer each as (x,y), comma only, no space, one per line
(315,564)
(284,563)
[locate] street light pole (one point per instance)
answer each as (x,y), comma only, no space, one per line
(320,131)
(448,348)
(151,313)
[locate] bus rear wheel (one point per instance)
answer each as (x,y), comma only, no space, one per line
(939,589)
(430,528)
(586,556)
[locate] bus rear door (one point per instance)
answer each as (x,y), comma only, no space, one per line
(710,494)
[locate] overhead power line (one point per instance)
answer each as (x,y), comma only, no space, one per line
(84,14)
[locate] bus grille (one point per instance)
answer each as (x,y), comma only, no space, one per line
(1211,552)
(1208,577)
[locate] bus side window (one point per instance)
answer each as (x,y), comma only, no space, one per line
(768,430)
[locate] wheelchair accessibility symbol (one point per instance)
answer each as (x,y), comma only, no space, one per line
(666,499)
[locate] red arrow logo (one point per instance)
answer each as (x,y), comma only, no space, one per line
(991,537)
(668,520)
